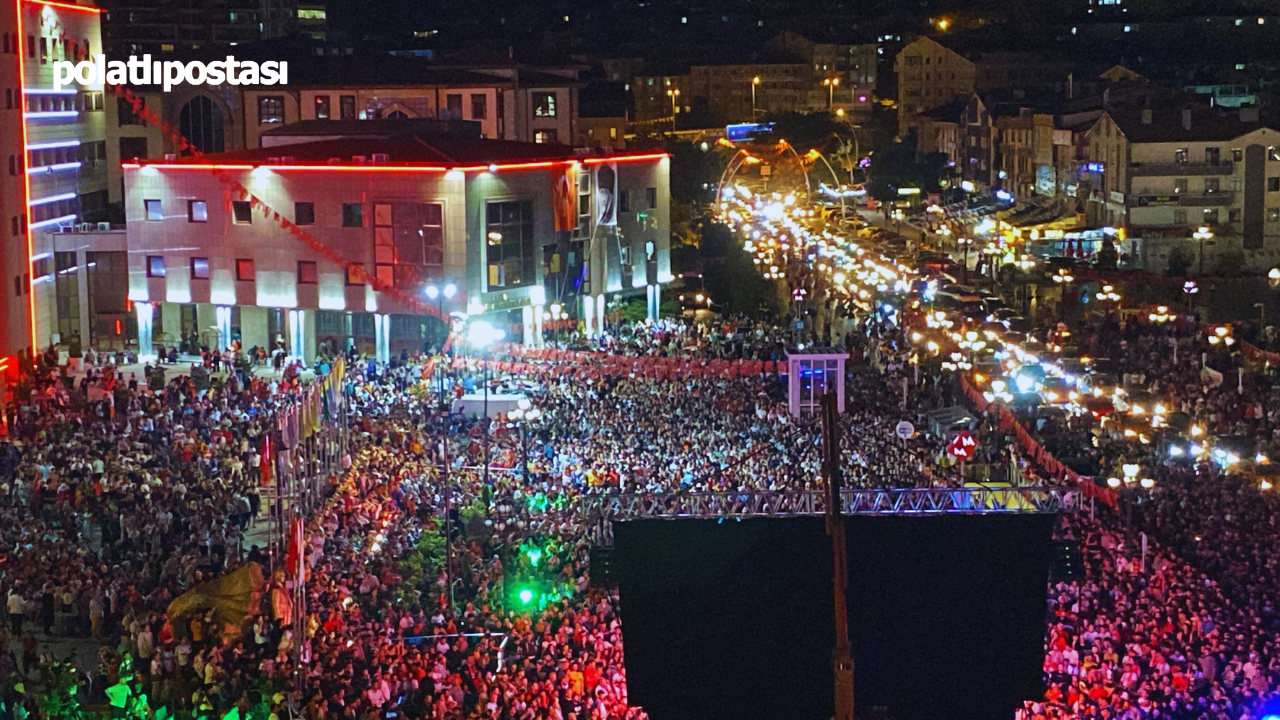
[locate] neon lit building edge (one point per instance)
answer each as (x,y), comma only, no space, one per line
(395,168)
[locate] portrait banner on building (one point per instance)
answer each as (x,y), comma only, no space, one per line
(607,194)
(565,196)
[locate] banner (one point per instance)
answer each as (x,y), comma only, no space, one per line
(607,194)
(564,187)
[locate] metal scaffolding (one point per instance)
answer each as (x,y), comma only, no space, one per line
(601,511)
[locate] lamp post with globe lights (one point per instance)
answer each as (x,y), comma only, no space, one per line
(481,335)
(755,82)
(522,415)
(1204,235)
(1130,488)
(440,295)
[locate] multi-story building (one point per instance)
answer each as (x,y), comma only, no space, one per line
(1192,168)
(962,129)
(508,102)
(53,145)
(514,226)
(1028,152)
(1024,74)
(136,27)
(929,75)
(802,76)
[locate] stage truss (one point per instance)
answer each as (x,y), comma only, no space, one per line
(601,511)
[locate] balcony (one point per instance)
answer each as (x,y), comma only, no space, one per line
(1216,199)
(1187,169)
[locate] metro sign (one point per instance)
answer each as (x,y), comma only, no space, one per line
(962,446)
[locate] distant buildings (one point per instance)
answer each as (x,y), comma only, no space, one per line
(797,76)
(135,27)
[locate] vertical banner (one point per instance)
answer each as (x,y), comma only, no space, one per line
(607,194)
(565,196)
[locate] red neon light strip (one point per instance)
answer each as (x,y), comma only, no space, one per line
(625,158)
(396,168)
(26,178)
(66,6)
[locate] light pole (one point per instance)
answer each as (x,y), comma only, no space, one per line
(754,82)
(1203,234)
(673,94)
(523,414)
(481,335)
(440,296)
(557,314)
(1127,493)
(1190,288)
(831,85)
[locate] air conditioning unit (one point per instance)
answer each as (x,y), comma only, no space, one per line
(104,226)
(84,227)
(359,159)
(335,161)
(380,158)
(170,157)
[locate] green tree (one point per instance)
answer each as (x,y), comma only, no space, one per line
(897,167)
(1179,262)
(730,277)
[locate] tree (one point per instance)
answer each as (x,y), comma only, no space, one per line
(1179,262)
(897,167)
(805,128)
(731,278)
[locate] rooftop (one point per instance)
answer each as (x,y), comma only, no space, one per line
(1166,125)
(441,151)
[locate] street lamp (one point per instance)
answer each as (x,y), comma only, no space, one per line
(523,414)
(439,296)
(673,94)
(1204,234)
(557,314)
(1109,294)
(831,84)
(1190,288)
(481,334)
(754,82)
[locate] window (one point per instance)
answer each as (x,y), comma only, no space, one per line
(153,209)
(199,268)
(322,107)
(1211,185)
(651,198)
(352,215)
(347,107)
(197,211)
(132,148)
(479,107)
(307,274)
(304,213)
(241,212)
(125,114)
(408,243)
(244,270)
(270,109)
(1179,216)
(1211,155)
(453,103)
(1273,184)
(155,266)
(355,274)
(624,201)
(1273,153)
(1180,185)
(1180,155)
(510,254)
(544,104)
(545,136)
(1210,217)
(1237,154)
(1233,215)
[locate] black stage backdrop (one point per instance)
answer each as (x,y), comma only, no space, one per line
(732,619)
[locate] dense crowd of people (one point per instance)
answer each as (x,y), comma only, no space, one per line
(113,508)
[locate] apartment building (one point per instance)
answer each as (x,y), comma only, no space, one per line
(929,75)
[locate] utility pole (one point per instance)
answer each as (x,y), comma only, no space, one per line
(842,654)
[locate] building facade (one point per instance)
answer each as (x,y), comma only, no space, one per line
(53,146)
(929,75)
(516,227)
